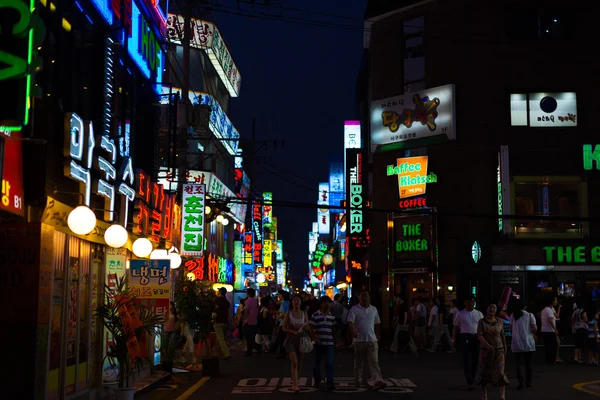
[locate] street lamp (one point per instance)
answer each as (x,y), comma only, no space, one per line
(116,236)
(142,247)
(81,220)
(225,221)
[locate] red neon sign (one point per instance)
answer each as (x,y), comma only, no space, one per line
(154,211)
(11,172)
(418,202)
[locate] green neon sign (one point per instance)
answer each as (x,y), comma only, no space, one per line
(571,254)
(413,243)
(591,156)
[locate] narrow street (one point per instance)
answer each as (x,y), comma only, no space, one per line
(428,378)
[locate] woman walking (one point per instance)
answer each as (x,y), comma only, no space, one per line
(523,327)
(579,326)
(294,323)
(265,324)
(490,331)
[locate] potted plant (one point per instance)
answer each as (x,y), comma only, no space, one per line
(195,302)
(129,323)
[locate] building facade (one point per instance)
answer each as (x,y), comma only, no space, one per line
(480,98)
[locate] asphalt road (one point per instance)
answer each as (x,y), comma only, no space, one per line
(432,376)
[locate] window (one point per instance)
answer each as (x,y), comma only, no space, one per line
(543,198)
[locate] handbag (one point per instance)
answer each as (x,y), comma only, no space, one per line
(306,345)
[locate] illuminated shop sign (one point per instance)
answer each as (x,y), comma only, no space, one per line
(316,261)
(279,250)
(412,176)
(211,268)
(422,114)
(572,254)
(206,36)
(268,254)
(257,229)
(591,156)
(352,140)
(86,153)
(220,125)
(192,220)
(336,185)
(22,27)
(419,202)
(544,109)
(413,237)
(11,172)
(155,212)
(248,247)
(313,239)
(323,213)
(281,278)
(267,209)
(238,255)
(355,194)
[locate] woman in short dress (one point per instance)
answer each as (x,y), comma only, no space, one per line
(294,322)
(490,332)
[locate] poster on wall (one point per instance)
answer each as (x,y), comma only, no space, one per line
(417,115)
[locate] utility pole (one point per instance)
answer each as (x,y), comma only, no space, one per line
(181,155)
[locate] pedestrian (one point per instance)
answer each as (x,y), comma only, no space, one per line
(221,321)
(452,313)
(550,330)
(490,332)
(579,327)
(294,323)
(593,337)
(251,323)
(466,324)
(171,338)
(557,308)
(283,298)
(523,328)
(402,337)
(310,304)
(337,310)
(420,323)
(322,324)
(265,324)
(364,323)
(442,330)
(239,318)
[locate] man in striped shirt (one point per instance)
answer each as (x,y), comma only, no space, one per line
(321,328)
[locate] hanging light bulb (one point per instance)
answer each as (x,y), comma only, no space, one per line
(225,222)
(116,236)
(220,218)
(159,254)
(81,220)
(175,258)
(142,247)
(207,209)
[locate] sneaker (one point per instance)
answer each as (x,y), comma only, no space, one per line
(379,385)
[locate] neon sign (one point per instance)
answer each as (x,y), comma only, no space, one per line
(323,217)
(572,254)
(11,172)
(419,202)
(412,175)
(257,218)
(591,156)
(316,261)
(268,254)
(267,208)
(81,151)
(248,247)
(355,196)
(192,228)
(219,123)
(414,243)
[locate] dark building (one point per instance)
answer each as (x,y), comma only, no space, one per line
(494,96)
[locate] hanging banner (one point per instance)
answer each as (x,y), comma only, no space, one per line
(192,221)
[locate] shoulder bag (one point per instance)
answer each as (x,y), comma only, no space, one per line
(306,345)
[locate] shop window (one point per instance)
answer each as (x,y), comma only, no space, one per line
(547,199)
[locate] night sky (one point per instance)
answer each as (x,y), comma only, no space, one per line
(298,82)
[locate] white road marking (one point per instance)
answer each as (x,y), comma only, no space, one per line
(342,385)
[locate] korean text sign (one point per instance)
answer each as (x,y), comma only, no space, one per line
(11,172)
(192,221)
(150,278)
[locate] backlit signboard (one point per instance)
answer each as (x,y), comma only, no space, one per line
(413,241)
(212,267)
(316,261)
(355,194)
(352,140)
(543,110)
(268,253)
(207,37)
(279,250)
(220,125)
(192,221)
(11,172)
(412,175)
(323,213)
(267,209)
(336,185)
(248,255)
(257,229)
(281,273)
(417,115)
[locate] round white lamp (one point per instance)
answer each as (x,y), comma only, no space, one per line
(220,218)
(327,259)
(175,258)
(190,276)
(116,236)
(159,254)
(450,288)
(207,209)
(142,247)
(81,220)
(260,278)
(225,222)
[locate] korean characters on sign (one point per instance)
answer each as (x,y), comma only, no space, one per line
(85,152)
(192,221)
(154,211)
(257,227)
(150,278)
(248,251)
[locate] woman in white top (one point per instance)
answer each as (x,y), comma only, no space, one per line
(550,330)
(294,322)
(523,327)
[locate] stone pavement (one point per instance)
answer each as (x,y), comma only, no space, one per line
(432,376)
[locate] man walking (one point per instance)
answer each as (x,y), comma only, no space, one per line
(321,328)
(251,323)
(466,326)
(221,321)
(363,320)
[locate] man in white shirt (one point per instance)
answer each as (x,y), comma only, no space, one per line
(420,324)
(549,330)
(466,326)
(363,321)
